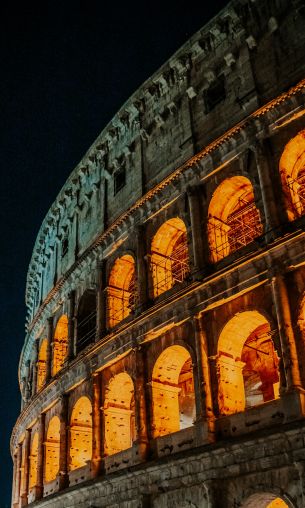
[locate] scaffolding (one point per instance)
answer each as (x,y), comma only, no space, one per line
(241,228)
(120,302)
(297,192)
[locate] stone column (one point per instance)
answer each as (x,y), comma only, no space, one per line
(28,388)
(204,399)
(286,333)
(40,458)
(49,349)
(17,485)
(96,426)
(63,445)
(25,469)
(199,250)
(15,475)
(140,404)
(35,368)
(100,302)
(71,327)
(141,269)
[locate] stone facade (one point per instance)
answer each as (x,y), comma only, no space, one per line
(165,337)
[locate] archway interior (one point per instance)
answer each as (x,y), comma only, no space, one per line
(42,362)
(247,363)
(81,434)
(121,294)
(86,320)
(292,170)
(169,256)
(52,449)
(119,414)
(265,500)
(33,461)
(233,218)
(60,344)
(173,391)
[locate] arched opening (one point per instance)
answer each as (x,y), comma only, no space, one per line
(173,391)
(33,461)
(119,414)
(292,170)
(265,500)
(169,256)
(247,363)
(233,218)
(121,296)
(81,434)
(60,344)
(52,450)
(42,364)
(86,320)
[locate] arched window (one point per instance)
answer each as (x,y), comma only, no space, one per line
(33,461)
(265,500)
(247,363)
(42,362)
(119,414)
(169,256)
(173,391)
(233,219)
(81,434)
(52,450)
(86,320)
(60,344)
(292,170)
(121,290)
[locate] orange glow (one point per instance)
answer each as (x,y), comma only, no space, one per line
(52,450)
(81,434)
(247,364)
(173,391)
(234,220)
(277,503)
(121,290)
(60,344)
(169,256)
(292,170)
(42,361)
(33,461)
(119,414)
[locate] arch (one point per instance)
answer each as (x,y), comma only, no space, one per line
(119,414)
(52,450)
(233,218)
(60,344)
(265,500)
(81,433)
(292,171)
(121,290)
(173,394)
(169,256)
(42,364)
(247,363)
(86,320)
(33,461)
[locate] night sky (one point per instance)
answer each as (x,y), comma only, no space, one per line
(66,69)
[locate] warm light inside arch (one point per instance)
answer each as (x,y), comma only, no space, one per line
(60,344)
(81,433)
(33,461)
(52,450)
(247,363)
(265,500)
(121,290)
(119,414)
(169,256)
(42,363)
(292,171)
(233,218)
(173,391)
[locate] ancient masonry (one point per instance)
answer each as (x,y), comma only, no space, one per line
(163,364)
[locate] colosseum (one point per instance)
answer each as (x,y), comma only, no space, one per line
(163,364)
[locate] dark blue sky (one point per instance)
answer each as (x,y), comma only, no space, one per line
(66,68)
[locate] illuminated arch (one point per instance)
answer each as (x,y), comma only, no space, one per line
(42,364)
(173,391)
(265,500)
(119,414)
(33,461)
(121,290)
(292,171)
(233,219)
(52,450)
(169,256)
(86,320)
(81,433)
(60,344)
(247,363)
